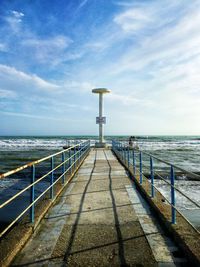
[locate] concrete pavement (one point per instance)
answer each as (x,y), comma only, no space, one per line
(96,222)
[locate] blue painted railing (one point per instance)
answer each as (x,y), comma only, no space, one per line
(133,160)
(63,165)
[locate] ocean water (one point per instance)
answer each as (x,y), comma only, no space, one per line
(183,151)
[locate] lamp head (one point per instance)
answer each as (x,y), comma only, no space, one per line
(100,91)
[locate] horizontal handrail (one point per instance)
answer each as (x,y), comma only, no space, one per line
(177,189)
(171,164)
(27,208)
(124,152)
(30,185)
(4,175)
(73,161)
(167,163)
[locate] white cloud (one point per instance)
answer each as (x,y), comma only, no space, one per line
(166,46)
(58,42)
(17,14)
(96,45)
(14,79)
(133,19)
(7,94)
(82,86)
(46,118)
(14,20)
(141,16)
(19,114)
(50,50)
(124,3)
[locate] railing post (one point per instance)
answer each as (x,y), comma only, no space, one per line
(124,154)
(134,167)
(74,158)
(152,177)
(173,200)
(70,161)
(78,155)
(128,157)
(52,178)
(63,167)
(86,149)
(124,150)
(80,152)
(140,167)
(32,195)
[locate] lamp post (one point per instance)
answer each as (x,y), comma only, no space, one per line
(101,120)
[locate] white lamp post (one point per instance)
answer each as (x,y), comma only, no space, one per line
(101,120)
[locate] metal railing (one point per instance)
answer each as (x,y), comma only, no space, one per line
(135,159)
(65,163)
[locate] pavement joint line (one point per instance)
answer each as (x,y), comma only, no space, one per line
(156,240)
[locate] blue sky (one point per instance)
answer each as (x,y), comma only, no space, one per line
(52,53)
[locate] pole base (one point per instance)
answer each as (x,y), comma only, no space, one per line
(100,145)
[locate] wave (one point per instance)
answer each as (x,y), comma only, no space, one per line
(34,143)
(146,144)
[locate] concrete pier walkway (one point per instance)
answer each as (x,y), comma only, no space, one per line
(100,220)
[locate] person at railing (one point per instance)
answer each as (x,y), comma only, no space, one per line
(130,142)
(133,142)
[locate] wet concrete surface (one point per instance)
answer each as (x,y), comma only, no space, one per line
(93,223)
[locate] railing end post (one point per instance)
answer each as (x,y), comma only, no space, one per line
(141,180)
(32,195)
(63,167)
(52,178)
(173,197)
(152,177)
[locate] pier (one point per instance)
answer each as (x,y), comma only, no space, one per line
(98,209)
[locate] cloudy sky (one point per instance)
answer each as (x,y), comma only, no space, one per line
(52,53)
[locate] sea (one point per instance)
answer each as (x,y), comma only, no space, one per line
(183,151)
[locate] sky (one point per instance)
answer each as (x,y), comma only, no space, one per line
(53,53)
